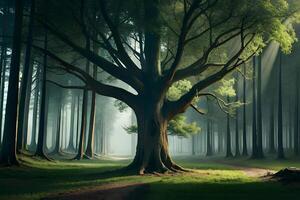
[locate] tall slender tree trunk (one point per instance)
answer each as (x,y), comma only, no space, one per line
(8,151)
(103,136)
(82,135)
(72,132)
(78,122)
(245,148)
(57,147)
(35,108)
(26,86)
(237,138)
(212,137)
(2,86)
(208,138)
(43,114)
(228,136)
(260,153)
(46,118)
(81,143)
(272,130)
(254,128)
(194,139)
(90,143)
(3,64)
(296,118)
(62,129)
(220,141)
(290,141)
(280,152)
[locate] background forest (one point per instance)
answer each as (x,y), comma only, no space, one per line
(155,87)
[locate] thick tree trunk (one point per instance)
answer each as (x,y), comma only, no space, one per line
(8,151)
(152,154)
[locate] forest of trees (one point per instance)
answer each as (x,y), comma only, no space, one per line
(214,71)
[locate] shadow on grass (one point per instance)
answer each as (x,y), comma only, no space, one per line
(134,191)
(30,180)
(222,191)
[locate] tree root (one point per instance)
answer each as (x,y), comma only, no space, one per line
(10,163)
(179,168)
(59,153)
(87,157)
(158,170)
(42,157)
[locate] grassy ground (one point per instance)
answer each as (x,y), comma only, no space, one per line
(267,163)
(212,179)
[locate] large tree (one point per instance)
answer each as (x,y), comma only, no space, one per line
(152,44)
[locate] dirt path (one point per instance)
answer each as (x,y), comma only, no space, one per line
(251,171)
(255,172)
(116,191)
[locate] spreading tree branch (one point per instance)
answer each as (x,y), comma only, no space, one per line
(101,88)
(120,73)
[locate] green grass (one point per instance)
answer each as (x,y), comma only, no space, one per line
(40,178)
(211,180)
(267,163)
(219,185)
